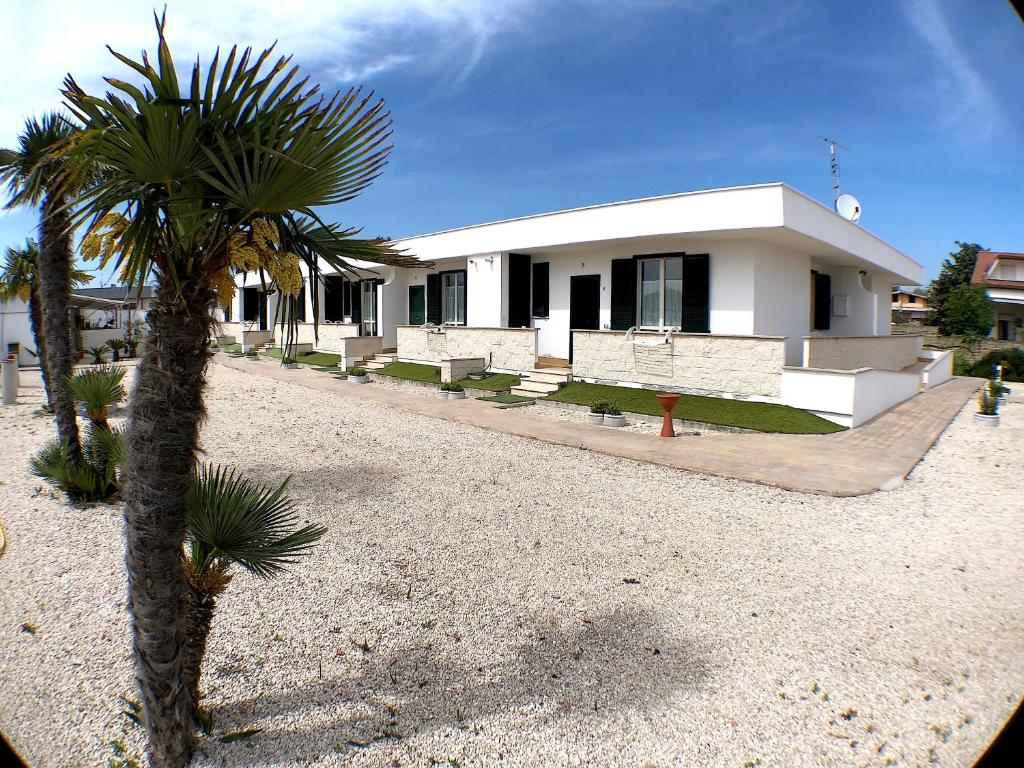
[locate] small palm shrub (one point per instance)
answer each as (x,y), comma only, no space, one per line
(611,410)
(98,389)
(96,478)
(988,402)
(97,354)
(603,406)
(233,522)
(116,346)
(357,371)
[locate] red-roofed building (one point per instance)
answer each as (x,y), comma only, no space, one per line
(1002,274)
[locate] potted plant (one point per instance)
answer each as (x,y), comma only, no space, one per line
(988,405)
(451,391)
(97,354)
(597,412)
(289,362)
(358,375)
(250,355)
(116,345)
(613,417)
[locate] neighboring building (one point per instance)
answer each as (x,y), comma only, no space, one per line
(756,292)
(1002,274)
(913,304)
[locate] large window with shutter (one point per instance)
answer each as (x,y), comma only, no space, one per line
(672,291)
(541,277)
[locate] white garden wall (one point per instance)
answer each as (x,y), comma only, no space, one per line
(848,398)
(503,349)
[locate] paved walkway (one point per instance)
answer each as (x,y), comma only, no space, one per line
(875,456)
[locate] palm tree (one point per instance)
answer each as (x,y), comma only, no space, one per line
(232,521)
(20,279)
(195,184)
(37,174)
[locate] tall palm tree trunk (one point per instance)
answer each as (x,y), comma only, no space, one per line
(55,294)
(35,318)
(165,413)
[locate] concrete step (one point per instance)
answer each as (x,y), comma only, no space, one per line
(373,365)
(548,376)
(534,389)
(379,358)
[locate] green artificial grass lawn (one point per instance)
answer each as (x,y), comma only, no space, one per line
(412,372)
(496,382)
(764,417)
(308,358)
(505,399)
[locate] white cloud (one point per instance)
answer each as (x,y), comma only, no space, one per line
(42,40)
(966,101)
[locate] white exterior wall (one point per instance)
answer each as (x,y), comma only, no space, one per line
(15,327)
(782,296)
(486,291)
(847,353)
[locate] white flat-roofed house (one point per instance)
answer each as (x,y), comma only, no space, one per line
(755,292)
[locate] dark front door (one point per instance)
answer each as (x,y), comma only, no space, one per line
(518,290)
(584,304)
(417,305)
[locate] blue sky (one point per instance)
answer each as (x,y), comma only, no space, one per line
(506,109)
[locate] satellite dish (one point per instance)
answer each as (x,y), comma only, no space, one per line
(848,207)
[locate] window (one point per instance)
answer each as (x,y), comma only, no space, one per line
(540,290)
(417,305)
(912,299)
(453,297)
(661,292)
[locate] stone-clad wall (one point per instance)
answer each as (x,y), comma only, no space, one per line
(743,365)
(848,353)
(330,335)
(510,349)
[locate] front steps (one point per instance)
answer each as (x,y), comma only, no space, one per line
(377,361)
(542,382)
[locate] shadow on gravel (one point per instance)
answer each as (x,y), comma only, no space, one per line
(612,662)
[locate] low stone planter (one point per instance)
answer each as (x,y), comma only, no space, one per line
(986,420)
(614,421)
(456,395)
(290,366)
(358,379)
(595,418)
(442,395)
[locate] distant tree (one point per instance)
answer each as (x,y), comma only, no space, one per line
(956,272)
(968,312)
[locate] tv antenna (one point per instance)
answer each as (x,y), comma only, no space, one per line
(846,206)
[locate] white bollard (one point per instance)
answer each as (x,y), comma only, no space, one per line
(10,379)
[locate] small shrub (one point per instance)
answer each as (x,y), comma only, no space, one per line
(988,400)
(602,406)
(116,346)
(95,478)
(357,371)
(612,410)
(1011,359)
(453,386)
(250,353)
(288,360)
(97,354)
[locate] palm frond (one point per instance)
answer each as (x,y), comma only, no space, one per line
(231,518)
(37,165)
(99,388)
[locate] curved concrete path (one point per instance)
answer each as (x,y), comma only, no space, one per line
(872,457)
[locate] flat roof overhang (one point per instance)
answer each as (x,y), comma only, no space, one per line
(774,213)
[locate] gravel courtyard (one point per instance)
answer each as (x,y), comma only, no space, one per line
(483,599)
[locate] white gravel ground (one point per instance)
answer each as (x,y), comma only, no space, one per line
(474,604)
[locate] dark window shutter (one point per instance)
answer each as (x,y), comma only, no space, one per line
(822,301)
(346,297)
(300,305)
(540,290)
(518,290)
(623,294)
(696,293)
(434,299)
